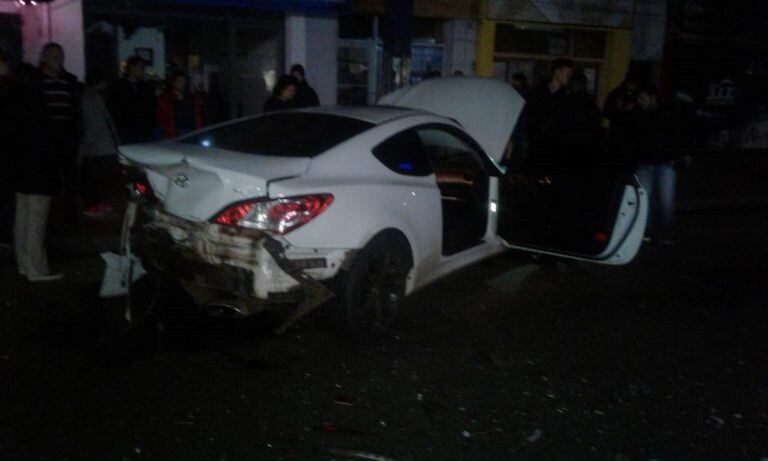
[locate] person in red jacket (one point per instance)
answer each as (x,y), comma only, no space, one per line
(178,109)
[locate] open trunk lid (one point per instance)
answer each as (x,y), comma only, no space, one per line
(195,182)
(487,108)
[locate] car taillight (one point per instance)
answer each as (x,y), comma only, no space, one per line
(139,189)
(279,216)
(137,184)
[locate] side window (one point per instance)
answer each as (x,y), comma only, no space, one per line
(447,151)
(403,153)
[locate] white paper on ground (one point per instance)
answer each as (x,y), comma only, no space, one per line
(120,273)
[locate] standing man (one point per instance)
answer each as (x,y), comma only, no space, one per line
(34,170)
(305,95)
(543,119)
(6,134)
(520,83)
(61,95)
(583,130)
(652,134)
(132,104)
(98,148)
(618,108)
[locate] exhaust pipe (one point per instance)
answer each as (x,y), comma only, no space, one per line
(223,309)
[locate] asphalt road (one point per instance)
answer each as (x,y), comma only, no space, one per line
(663,359)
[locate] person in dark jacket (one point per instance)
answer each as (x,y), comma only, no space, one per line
(652,135)
(543,118)
(98,148)
(132,104)
(305,95)
(27,138)
(520,83)
(61,94)
(583,130)
(7,198)
(178,108)
(283,95)
(618,108)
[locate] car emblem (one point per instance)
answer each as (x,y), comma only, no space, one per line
(181,180)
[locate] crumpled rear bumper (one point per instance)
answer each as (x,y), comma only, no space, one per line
(214,262)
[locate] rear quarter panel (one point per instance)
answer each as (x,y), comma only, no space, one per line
(369,198)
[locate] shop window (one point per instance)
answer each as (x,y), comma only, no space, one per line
(510,39)
(588,44)
(353,68)
(426,62)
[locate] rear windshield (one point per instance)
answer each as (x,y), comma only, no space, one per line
(288,134)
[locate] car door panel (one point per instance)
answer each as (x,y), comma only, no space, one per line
(597,214)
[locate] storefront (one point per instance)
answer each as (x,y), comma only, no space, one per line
(443,41)
(525,36)
(233,51)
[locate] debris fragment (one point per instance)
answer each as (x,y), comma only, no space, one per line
(499,362)
(536,435)
(343,400)
(466,434)
(718,422)
(330,427)
(357,454)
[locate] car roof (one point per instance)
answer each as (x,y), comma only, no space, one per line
(373,114)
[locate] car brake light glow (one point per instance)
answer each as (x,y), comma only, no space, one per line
(140,188)
(279,216)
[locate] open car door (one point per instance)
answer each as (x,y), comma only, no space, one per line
(595,214)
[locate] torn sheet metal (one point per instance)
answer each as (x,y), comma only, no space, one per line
(249,268)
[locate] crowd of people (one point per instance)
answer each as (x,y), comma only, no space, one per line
(561,125)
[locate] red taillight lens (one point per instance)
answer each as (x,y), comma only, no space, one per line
(231,216)
(279,216)
(140,188)
(137,183)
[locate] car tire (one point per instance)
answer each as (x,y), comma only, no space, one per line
(370,291)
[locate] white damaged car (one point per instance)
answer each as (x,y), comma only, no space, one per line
(359,207)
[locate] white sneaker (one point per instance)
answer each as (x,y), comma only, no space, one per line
(45,278)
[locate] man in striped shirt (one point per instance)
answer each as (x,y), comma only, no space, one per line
(61,93)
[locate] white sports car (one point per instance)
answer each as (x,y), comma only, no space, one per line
(362,206)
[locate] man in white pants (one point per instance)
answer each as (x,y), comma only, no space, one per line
(35,174)
(29,237)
